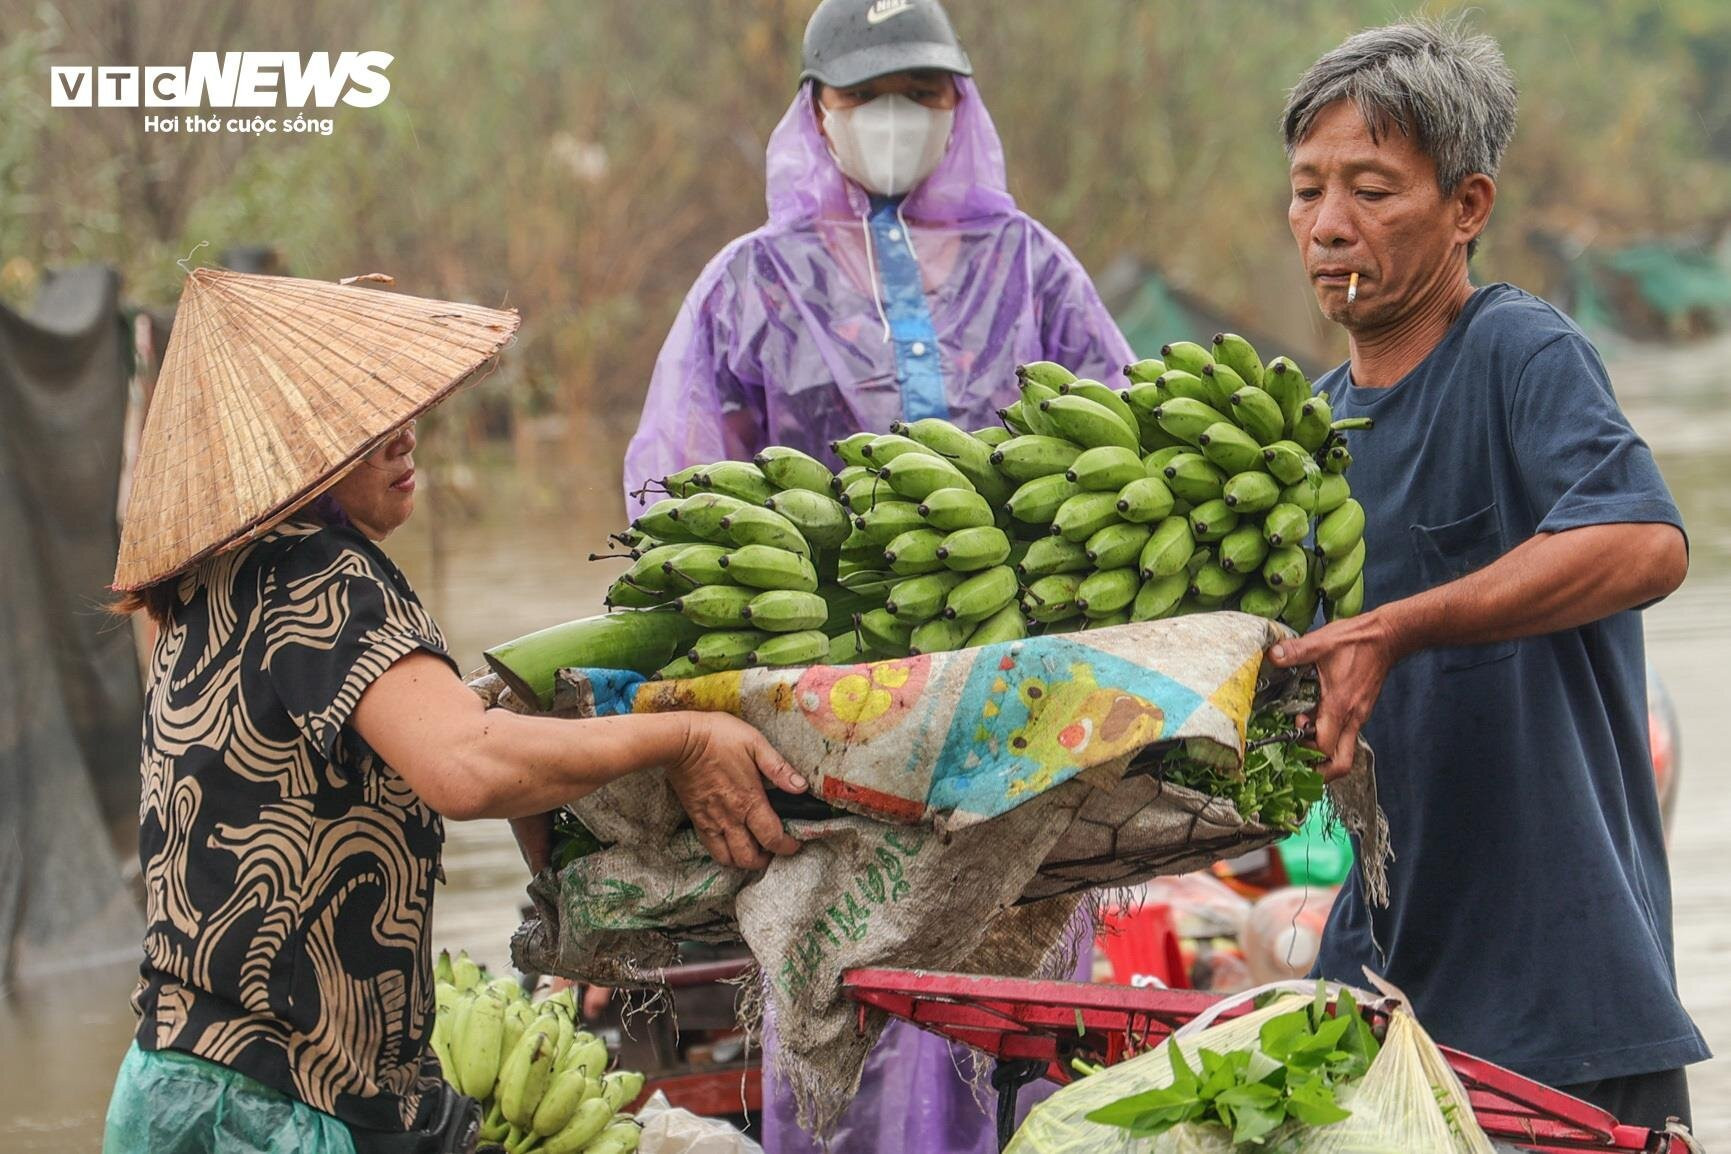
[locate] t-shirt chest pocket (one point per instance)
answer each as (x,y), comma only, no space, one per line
(1450,551)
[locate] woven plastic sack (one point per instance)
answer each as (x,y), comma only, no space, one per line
(1408,1101)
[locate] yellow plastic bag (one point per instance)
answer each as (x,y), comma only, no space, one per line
(1408,1102)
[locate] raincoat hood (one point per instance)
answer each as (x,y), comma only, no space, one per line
(968,184)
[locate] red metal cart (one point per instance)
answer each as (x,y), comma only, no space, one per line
(1034,1029)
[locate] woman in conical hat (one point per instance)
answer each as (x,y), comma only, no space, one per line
(306,732)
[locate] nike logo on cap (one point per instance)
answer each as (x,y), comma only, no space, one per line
(882,10)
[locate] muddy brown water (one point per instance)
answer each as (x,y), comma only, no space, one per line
(498,559)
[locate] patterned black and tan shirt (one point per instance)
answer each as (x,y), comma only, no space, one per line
(289,872)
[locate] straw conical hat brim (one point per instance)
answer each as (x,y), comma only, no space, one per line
(271,388)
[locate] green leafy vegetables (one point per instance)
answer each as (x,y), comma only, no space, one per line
(1277,785)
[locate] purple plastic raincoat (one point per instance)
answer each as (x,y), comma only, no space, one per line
(782,341)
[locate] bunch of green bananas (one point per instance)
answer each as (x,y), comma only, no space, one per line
(542,1083)
(1212,481)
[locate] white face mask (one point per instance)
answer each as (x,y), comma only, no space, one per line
(888,144)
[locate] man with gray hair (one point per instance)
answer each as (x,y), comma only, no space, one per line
(1516,525)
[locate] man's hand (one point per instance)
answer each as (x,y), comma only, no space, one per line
(535,839)
(718,778)
(1352,658)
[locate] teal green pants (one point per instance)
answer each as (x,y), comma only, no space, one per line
(167,1102)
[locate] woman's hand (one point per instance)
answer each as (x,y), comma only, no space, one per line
(719,780)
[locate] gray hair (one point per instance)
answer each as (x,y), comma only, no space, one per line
(1449,91)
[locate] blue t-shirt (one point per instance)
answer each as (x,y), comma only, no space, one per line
(1530,902)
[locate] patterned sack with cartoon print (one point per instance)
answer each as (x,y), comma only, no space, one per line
(974,794)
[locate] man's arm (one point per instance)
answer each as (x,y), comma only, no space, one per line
(1551,582)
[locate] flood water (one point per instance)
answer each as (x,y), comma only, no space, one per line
(515,561)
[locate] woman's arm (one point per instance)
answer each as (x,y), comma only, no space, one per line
(468,762)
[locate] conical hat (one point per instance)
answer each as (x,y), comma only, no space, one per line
(271,386)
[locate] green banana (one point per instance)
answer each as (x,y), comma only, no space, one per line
(1231,448)
(887,520)
(559,1103)
(1037,501)
(476,1049)
(1090,424)
(725,649)
(1351,603)
(642,642)
(1144,371)
(846,476)
(444,973)
(843,649)
(620,1088)
(523,1080)
(981,595)
(915,475)
(1310,428)
(919,599)
(1073,623)
(1338,459)
(1052,598)
(1015,418)
(991,436)
(805,647)
(1168,549)
(1286,567)
(939,635)
(696,565)
(1286,524)
(863,492)
(1261,601)
(627,594)
(649,572)
(1117,545)
(914,552)
(756,525)
(1048,373)
(886,447)
(1339,573)
(971,457)
(791,469)
(1177,383)
(953,508)
(739,479)
(1239,355)
(1106,591)
(1194,478)
(1155,463)
(1332,491)
(620,1136)
(658,522)
(1303,493)
(1159,597)
(970,550)
(1050,555)
(1344,424)
(1101,395)
(682,482)
(1022,459)
(1007,624)
(1122,617)
(1145,500)
(883,632)
(851,449)
(766,567)
(1341,530)
(1212,520)
(1300,611)
(1034,395)
(1143,399)
(1215,583)
(681,666)
(1243,549)
(1287,461)
(1109,467)
(1189,419)
(785,611)
(716,606)
(1251,493)
(1186,355)
(589,1119)
(1258,414)
(1084,515)
(818,516)
(1286,383)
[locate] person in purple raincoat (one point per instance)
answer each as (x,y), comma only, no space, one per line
(894,279)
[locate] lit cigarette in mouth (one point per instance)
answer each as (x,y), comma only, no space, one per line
(1352,288)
